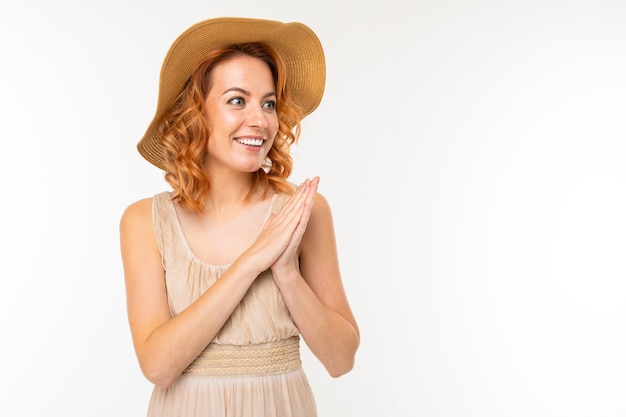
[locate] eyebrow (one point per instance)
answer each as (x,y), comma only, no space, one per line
(246,92)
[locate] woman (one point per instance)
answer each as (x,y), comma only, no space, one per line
(225,273)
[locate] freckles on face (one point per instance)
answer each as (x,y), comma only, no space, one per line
(241,113)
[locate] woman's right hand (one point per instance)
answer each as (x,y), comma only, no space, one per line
(284,229)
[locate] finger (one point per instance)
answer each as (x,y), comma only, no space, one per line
(312,189)
(307,206)
(302,205)
(287,218)
(291,214)
(296,200)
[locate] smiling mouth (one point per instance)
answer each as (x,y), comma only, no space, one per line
(250,141)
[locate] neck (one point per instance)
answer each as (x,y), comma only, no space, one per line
(228,194)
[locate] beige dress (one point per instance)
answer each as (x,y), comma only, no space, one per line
(252,367)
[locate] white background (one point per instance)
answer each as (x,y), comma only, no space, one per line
(473,153)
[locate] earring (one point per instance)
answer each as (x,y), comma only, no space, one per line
(267,164)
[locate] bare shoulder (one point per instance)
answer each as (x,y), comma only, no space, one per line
(321,211)
(140,253)
(320,233)
(137,214)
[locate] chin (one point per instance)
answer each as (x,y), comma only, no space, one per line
(251,169)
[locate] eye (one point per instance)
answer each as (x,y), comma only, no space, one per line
(237,101)
(270,104)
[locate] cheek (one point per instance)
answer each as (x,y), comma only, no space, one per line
(273,126)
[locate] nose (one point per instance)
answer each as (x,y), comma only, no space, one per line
(256,117)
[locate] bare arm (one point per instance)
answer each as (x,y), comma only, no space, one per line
(165,346)
(315,295)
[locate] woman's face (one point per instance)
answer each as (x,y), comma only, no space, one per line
(241,113)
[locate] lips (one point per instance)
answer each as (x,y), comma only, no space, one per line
(250,141)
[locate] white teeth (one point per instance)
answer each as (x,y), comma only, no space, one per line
(250,142)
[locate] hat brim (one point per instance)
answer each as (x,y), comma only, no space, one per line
(297,44)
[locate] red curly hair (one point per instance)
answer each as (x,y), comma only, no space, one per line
(185,135)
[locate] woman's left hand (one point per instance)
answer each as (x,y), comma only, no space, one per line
(288,260)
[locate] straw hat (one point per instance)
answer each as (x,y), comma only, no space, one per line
(295,42)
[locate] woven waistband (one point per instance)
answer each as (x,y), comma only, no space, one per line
(247,360)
